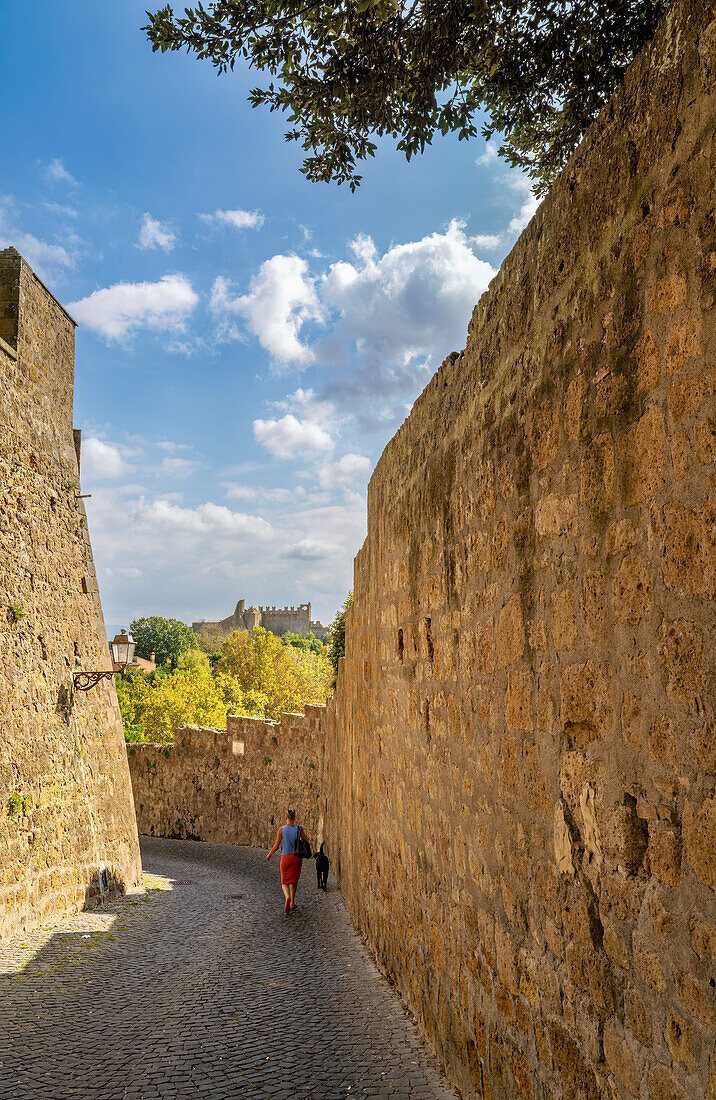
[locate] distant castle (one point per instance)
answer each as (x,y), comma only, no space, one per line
(278,620)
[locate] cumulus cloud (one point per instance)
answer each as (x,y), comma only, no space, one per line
(116,312)
(101,461)
(155,234)
(282,299)
(237,219)
(55,172)
(289,436)
(395,318)
(386,320)
(349,471)
(412,301)
(204,518)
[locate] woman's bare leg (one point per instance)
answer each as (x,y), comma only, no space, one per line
(287,896)
(292,888)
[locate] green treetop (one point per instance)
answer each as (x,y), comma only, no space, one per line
(347,71)
(168,639)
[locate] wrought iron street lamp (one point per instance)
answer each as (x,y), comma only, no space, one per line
(123,646)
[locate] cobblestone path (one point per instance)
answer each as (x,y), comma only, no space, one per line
(201,987)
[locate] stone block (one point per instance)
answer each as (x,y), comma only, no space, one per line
(631,590)
(620,1060)
(545,436)
(564,624)
(647,356)
(703,939)
(510,633)
(556,515)
(705,440)
(597,475)
(670,293)
(637,1017)
(689,557)
(683,343)
(519,699)
(679,1039)
(644,465)
(699,838)
(586,707)
(681,648)
(594,605)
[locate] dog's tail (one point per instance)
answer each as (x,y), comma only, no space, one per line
(322,847)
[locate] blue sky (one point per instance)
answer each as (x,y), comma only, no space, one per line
(248,341)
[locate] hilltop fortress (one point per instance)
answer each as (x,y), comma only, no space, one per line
(279,620)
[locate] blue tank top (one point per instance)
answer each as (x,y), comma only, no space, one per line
(289,834)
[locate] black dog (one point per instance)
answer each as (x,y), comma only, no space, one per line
(322,865)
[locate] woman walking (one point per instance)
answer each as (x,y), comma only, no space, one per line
(291,864)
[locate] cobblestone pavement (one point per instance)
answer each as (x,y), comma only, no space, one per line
(202,987)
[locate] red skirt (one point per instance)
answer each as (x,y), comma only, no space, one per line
(290,870)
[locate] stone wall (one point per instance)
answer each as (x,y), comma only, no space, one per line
(232,786)
(519,762)
(522,756)
(66,809)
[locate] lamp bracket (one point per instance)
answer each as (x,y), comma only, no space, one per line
(85,681)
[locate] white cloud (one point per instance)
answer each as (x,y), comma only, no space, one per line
(237,219)
(396,317)
(348,472)
(101,461)
(290,436)
(177,467)
(282,298)
(44,258)
(50,261)
(155,234)
(117,311)
(489,154)
(204,518)
(130,572)
(57,173)
(408,303)
(390,319)
(170,446)
(523,186)
(258,493)
(486,240)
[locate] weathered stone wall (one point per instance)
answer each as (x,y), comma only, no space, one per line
(522,756)
(65,798)
(519,762)
(232,786)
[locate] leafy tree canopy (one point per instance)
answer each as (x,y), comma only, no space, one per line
(308,643)
(168,639)
(337,636)
(288,678)
(348,71)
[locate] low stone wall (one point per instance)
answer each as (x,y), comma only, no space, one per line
(232,786)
